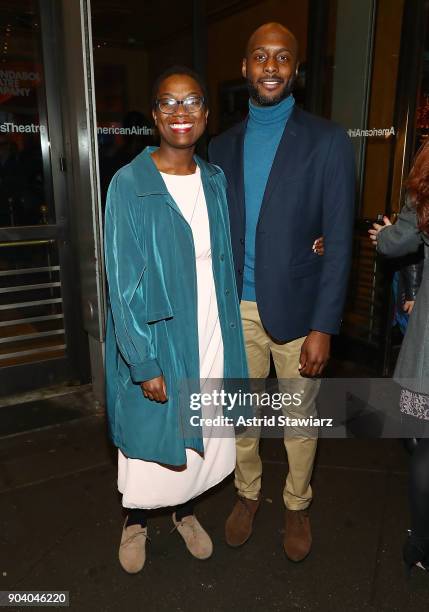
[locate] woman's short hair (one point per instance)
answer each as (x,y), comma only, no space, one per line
(173,70)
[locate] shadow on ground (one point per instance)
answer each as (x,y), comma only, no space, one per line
(61,522)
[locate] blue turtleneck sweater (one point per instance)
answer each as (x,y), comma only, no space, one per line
(263,132)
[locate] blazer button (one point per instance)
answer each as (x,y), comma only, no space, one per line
(227,291)
(222,257)
(240,271)
(232,325)
(241,240)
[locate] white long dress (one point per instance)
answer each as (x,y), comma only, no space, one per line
(145,484)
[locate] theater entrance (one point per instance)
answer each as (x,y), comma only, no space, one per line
(41,336)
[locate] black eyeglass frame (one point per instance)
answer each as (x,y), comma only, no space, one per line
(180,102)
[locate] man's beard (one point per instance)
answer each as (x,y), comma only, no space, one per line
(262,100)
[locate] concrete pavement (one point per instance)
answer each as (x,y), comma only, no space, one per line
(61,519)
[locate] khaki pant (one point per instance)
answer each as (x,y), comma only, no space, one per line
(300,450)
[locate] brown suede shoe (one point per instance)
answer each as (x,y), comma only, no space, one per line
(297,539)
(239,524)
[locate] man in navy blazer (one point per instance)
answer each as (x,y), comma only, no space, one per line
(291,179)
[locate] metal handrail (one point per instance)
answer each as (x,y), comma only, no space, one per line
(25,243)
(19,271)
(34,303)
(27,320)
(39,351)
(35,335)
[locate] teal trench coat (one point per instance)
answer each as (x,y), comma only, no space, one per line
(152,324)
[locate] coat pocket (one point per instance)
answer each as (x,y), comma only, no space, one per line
(156,295)
(159,315)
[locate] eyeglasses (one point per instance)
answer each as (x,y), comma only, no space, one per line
(169,106)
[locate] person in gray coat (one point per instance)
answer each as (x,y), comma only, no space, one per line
(412,369)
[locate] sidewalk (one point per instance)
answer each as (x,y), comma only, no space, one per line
(61,521)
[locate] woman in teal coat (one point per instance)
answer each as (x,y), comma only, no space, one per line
(173,318)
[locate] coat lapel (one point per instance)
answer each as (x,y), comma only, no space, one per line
(211,197)
(149,181)
(288,160)
(238,168)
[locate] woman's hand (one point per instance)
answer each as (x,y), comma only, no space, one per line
(408,306)
(155,389)
(373,233)
(319,246)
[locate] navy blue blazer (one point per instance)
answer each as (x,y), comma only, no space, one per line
(310,192)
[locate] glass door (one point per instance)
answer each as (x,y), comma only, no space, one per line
(359,64)
(40,342)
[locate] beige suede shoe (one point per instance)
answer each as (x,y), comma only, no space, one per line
(132,550)
(197,540)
